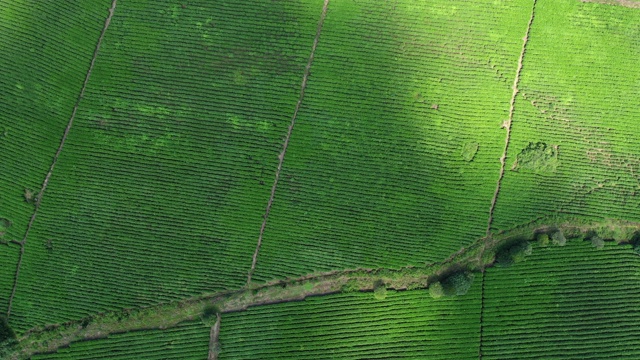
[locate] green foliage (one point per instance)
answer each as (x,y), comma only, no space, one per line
(351,286)
(6,333)
(458,283)
(5,224)
(436,290)
(558,238)
(543,239)
(513,253)
(597,242)
(469,150)
(380,290)
(210,310)
(538,158)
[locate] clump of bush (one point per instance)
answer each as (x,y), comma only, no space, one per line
(210,311)
(6,332)
(513,253)
(436,290)
(597,242)
(469,150)
(539,158)
(543,239)
(557,238)
(457,283)
(351,286)
(379,290)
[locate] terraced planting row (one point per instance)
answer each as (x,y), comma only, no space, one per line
(574,147)
(161,187)
(357,325)
(43,71)
(393,159)
(575,302)
(186,341)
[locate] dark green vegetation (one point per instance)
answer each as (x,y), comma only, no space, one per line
(186,341)
(145,234)
(406,324)
(6,332)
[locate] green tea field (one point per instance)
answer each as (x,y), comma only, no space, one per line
(319,179)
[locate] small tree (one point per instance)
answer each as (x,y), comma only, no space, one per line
(558,238)
(210,311)
(6,333)
(379,290)
(514,253)
(543,239)
(436,290)
(458,283)
(597,242)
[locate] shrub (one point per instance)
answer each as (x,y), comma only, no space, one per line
(351,286)
(539,158)
(543,239)
(597,242)
(436,290)
(513,254)
(558,238)
(469,150)
(520,250)
(503,258)
(380,290)
(458,283)
(6,332)
(210,310)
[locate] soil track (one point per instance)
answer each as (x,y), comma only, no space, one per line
(305,77)
(38,198)
(213,339)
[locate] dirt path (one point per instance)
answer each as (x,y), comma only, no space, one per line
(286,140)
(38,198)
(214,335)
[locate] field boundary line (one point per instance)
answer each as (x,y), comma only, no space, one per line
(624,3)
(305,77)
(38,198)
(503,159)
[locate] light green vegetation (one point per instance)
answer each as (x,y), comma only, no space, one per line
(373,176)
(161,187)
(574,302)
(42,73)
(405,325)
(579,92)
(185,341)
